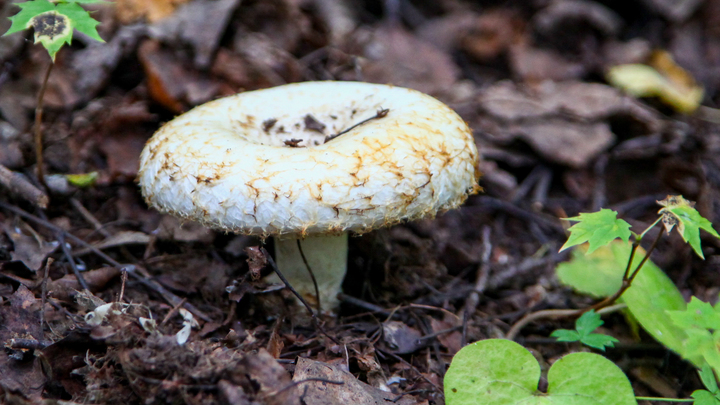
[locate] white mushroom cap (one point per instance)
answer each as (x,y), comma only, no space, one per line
(227,163)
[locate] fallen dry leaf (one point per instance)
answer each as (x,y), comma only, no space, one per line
(200,24)
(22,377)
(661,78)
(400,338)
(31,251)
(65,286)
(394,56)
(566,123)
(346,389)
(154,10)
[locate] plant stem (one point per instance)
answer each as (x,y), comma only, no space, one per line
(627,281)
(635,245)
(553,313)
(38,126)
(642,235)
(645,259)
(664,399)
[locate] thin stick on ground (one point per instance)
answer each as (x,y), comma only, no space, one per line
(480,284)
(553,313)
(43,298)
(123,278)
(20,186)
(312,275)
(38,126)
(173,311)
(66,251)
(151,284)
(412,367)
(290,287)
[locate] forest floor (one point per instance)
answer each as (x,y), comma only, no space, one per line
(555,139)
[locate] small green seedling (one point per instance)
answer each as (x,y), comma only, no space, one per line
(502,372)
(601,228)
(584,326)
(53,23)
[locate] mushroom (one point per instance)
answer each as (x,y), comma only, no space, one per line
(311,162)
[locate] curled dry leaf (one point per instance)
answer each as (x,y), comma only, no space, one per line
(661,78)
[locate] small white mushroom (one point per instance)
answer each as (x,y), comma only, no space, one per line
(267,163)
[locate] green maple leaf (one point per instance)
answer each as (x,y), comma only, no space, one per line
(584,326)
(54,23)
(566,335)
(698,314)
(681,212)
(598,228)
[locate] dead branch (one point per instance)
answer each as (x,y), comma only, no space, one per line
(21,187)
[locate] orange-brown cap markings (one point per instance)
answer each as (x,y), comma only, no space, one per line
(219,164)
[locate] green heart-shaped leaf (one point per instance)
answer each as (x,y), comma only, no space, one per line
(501,372)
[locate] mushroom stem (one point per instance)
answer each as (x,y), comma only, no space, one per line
(326,256)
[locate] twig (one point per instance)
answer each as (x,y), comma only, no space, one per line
(20,186)
(412,367)
(381,113)
(172,312)
(440,332)
(486,202)
(43,297)
(312,275)
(38,126)
(480,284)
(553,313)
(522,190)
(515,270)
(81,280)
(539,194)
(151,284)
(89,217)
(290,287)
(363,304)
(123,278)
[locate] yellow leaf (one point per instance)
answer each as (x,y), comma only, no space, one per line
(661,78)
